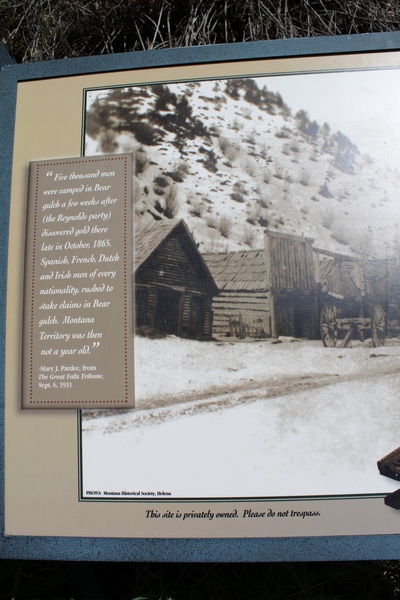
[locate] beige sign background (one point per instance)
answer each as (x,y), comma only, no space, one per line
(42,450)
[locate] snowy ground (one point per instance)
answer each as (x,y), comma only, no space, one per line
(220,419)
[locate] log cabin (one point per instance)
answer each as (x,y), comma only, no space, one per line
(268,292)
(241,307)
(173,285)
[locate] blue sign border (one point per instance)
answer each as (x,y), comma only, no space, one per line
(333,548)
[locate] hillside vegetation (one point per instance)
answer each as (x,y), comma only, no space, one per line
(232,159)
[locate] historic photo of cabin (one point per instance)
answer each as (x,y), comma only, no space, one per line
(266,286)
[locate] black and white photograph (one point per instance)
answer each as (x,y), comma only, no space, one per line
(266,288)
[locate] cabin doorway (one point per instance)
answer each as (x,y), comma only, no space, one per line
(167,313)
(197,316)
(295,315)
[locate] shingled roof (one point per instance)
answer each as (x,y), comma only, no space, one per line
(243,270)
(148,235)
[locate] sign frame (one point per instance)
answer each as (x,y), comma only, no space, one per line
(363,547)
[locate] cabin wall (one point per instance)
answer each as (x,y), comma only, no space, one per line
(290,262)
(173,312)
(172,266)
(292,285)
(241,314)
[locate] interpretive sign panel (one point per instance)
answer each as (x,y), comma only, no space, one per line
(78,308)
(211,234)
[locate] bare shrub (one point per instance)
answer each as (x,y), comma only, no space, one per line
(158,190)
(159,208)
(328,217)
(237,197)
(224,225)
(305,178)
(179,172)
(228,148)
(249,167)
(171,202)
(161,181)
(239,186)
(246,112)
(210,161)
(251,138)
(248,235)
(190,198)
(196,208)
(239,191)
(177,176)
(214,130)
(139,210)
(253,213)
(183,167)
(237,125)
(263,221)
(262,202)
(215,243)
(283,133)
(330,175)
(211,221)
(264,153)
(107,141)
(288,178)
(141,160)
(325,191)
(278,173)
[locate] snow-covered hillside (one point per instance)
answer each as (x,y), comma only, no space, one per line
(232,160)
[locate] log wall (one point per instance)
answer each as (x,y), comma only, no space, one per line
(290,262)
(170,265)
(241,314)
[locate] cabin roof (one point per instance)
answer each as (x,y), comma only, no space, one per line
(148,235)
(243,270)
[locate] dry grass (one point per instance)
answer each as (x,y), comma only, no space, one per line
(46,29)
(25,580)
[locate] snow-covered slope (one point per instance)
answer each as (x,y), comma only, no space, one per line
(232,160)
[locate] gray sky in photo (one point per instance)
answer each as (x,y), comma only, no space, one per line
(364,105)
